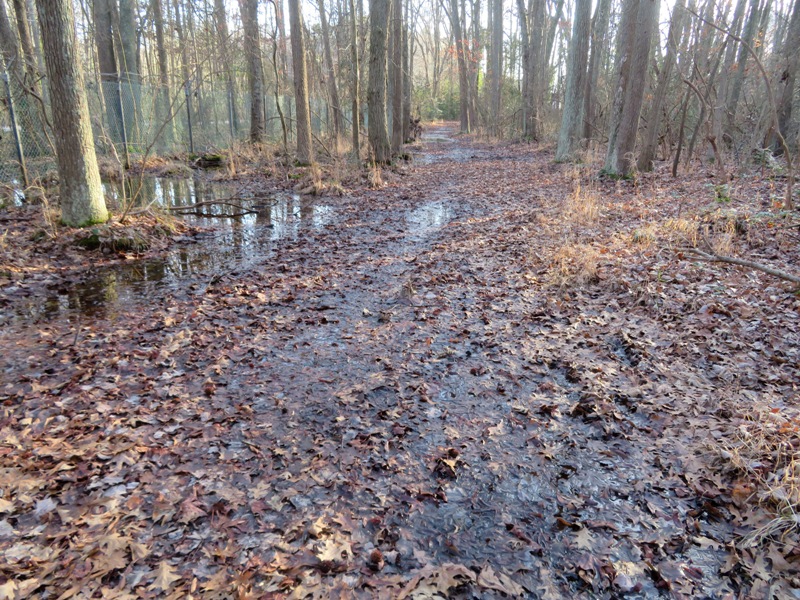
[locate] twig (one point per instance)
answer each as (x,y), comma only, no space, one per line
(191,207)
(713,257)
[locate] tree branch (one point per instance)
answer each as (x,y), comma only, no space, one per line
(713,257)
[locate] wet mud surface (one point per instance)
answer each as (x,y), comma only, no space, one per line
(370,397)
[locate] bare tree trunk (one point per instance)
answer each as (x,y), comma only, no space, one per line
(407,71)
(9,46)
(129,69)
(396,74)
(305,151)
(82,201)
(255,69)
(648,152)
(355,81)
(463,83)
(376,88)
(598,45)
(495,74)
(571,131)
(164,109)
(533,66)
(28,52)
(787,76)
(333,90)
(107,62)
(638,22)
(221,25)
(741,64)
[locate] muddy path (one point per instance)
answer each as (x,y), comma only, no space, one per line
(394,402)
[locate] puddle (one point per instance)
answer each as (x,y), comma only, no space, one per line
(237,243)
(425,219)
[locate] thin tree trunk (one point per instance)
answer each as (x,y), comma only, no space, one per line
(396,74)
(305,151)
(355,80)
(648,152)
(741,65)
(81,196)
(333,90)
(639,21)
(221,25)
(598,45)
(164,109)
(255,68)
(463,83)
(787,75)
(572,123)
(495,74)
(407,71)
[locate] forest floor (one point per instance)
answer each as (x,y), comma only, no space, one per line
(495,376)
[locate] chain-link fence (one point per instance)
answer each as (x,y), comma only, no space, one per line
(133,118)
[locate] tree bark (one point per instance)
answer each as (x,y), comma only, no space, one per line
(221,25)
(255,69)
(396,73)
(569,136)
(787,76)
(164,109)
(82,201)
(598,45)
(407,71)
(638,22)
(736,88)
(107,63)
(495,74)
(333,90)
(378,131)
(28,52)
(648,152)
(305,151)
(463,83)
(356,91)
(356,79)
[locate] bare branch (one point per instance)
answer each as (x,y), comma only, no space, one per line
(731,260)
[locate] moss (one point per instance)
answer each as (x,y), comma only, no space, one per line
(38,235)
(127,242)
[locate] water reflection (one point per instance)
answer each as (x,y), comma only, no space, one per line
(238,242)
(428,217)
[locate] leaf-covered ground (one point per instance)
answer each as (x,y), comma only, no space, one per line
(494,377)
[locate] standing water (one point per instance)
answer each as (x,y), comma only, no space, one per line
(246,228)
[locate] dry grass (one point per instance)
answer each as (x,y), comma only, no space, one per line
(582,206)
(574,265)
(766,451)
(375,177)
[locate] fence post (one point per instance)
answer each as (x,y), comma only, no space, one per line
(20,153)
(122,123)
(189,116)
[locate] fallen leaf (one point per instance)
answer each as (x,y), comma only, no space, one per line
(165,577)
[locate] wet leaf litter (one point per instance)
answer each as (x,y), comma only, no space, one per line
(434,393)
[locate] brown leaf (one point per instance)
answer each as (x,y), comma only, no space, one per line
(500,582)
(165,577)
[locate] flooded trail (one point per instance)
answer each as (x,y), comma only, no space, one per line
(370,395)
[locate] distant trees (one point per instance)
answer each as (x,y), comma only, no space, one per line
(640,91)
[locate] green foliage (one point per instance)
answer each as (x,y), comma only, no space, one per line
(722,193)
